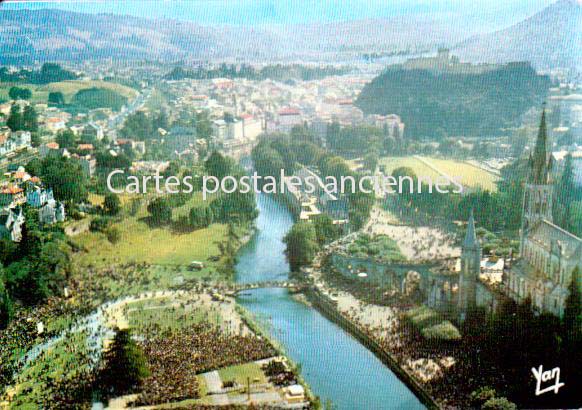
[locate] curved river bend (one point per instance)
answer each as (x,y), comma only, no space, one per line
(335,365)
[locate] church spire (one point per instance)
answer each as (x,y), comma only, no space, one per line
(470,237)
(470,269)
(540,163)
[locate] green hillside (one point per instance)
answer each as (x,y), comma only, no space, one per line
(436,105)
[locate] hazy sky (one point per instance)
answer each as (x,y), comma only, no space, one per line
(486,13)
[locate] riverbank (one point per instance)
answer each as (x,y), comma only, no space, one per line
(433,366)
(328,308)
(338,368)
(254,327)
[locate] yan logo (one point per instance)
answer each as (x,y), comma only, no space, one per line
(545,377)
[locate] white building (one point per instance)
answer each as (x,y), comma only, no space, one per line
(288,118)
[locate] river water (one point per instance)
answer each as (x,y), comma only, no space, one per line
(334,364)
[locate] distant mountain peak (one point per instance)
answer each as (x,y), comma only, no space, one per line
(550,38)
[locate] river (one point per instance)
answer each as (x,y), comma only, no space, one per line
(334,364)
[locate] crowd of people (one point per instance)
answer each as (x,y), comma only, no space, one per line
(418,243)
(176,356)
(23,332)
(449,372)
(279,374)
(80,312)
(60,377)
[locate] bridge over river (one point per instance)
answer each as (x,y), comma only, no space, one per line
(292,285)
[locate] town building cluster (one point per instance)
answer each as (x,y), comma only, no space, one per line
(243,109)
(21,190)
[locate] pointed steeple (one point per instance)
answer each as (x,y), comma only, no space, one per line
(471,240)
(540,162)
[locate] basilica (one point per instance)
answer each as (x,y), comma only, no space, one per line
(548,253)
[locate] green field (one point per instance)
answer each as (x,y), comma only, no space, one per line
(141,244)
(68,88)
(168,313)
(470,175)
(240,373)
(156,245)
(391,163)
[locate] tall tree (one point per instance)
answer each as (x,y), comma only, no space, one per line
(218,165)
(111,204)
(15,120)
(302,245)
(30,119)
(160,211)
(5,305)
(325,230)
(66,139)
(566,193)
(56,99)
(573,307)
(66,178)
(371,161)
(125,366)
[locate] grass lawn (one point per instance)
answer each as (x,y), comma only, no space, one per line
(168,313)
(150,244)
(157,246)
(168,250)
(68,88)
(241,372)
(391,163)
(431,325)
(470,175)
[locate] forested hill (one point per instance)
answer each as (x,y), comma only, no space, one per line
(436,105)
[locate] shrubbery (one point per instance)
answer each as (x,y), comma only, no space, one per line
(431,325)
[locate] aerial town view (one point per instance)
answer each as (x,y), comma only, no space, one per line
(262,204)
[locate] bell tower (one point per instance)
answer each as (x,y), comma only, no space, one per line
(538,191)
(470,269)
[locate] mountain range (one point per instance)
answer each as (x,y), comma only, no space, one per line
(550,38)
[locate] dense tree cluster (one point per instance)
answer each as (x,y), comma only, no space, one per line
(455,104)
(277,72)
(288,152)
(56,99)
(515,339)
(17,93)
(301,242)
(140,126)
(65,177)
(48,73)
(218,165)
(160,211)
(358,139)
(200,217)
(35,268)
(22,120)
(111,204)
